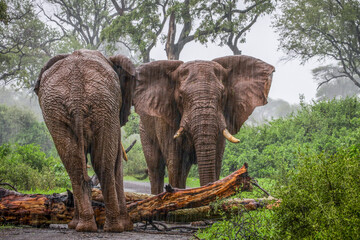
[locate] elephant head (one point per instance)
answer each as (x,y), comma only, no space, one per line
(204,99)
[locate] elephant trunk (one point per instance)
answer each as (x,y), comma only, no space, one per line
(205,130)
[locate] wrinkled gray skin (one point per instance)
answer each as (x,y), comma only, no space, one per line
(85,99)
(203,98)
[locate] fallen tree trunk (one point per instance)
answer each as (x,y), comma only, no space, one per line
(38,209)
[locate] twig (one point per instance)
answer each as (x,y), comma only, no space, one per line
(130,147)
(255,183)
(8,184)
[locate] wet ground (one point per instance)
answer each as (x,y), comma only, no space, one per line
(60,231)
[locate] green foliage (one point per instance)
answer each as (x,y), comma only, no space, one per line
(3,14)
(136,164)
(241,224)
(273,148)
(321,199)
(22,127)
(227,23)
(132,126)
(27,167)
(26,43)
(139,27)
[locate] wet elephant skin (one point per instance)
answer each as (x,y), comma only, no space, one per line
(85,99)
(186,108)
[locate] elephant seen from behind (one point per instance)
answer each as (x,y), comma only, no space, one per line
(85,99)
(188,109)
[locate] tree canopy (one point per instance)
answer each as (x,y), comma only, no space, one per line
(322,29)
(145,23)
(25,44)
(84,19)
(3,9)
(329,88)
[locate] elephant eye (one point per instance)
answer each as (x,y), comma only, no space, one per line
(184,73)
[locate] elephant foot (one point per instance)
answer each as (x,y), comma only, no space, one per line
(113,227)
(128,224)
(86,226)
(73,223)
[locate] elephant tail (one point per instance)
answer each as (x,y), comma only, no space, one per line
(48,65)
(76,109)
(79,131)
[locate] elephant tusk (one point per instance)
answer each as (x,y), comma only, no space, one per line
(179,132)
(124,153)
(230,137)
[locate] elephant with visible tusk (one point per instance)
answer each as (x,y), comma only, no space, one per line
(188,109)
(85,99)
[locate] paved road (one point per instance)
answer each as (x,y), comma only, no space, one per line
(140,187)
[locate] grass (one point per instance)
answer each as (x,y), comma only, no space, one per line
(45,192)
(190,182)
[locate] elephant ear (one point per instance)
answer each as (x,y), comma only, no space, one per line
(248,84)
(48,65)
(125,69)
(154,94)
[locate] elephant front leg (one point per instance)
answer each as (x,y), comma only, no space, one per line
(175,167)
(154,161)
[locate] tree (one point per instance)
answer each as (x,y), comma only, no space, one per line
(3,14)
(25,44)
(322,29)
(85,18)
(198,20)
(337,88)
(138,25)
(229,21)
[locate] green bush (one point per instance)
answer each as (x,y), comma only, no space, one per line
(21,126)
(321,199)
(241,224)
(273,148)
(28,168)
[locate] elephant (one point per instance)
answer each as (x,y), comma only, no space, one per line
(85,98)
(188,109)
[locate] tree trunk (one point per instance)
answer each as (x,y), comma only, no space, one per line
(170,41)
(38,209)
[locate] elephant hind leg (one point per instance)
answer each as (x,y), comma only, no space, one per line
(124,216)
(73,160)
(104,156)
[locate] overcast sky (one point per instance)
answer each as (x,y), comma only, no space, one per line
(290,78)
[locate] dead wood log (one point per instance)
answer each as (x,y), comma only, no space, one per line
(38,209)
(228,206)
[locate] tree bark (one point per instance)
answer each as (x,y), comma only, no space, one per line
(38,209)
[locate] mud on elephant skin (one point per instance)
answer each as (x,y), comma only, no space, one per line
(188,109)
(85,99)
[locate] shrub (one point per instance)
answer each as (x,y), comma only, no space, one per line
(28,168)
(273,148)
(21,126)
(241,224)
(321,200)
